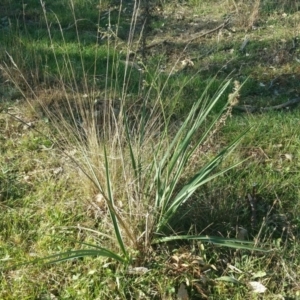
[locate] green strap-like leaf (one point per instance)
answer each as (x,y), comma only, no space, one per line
(231,243)
(113,214)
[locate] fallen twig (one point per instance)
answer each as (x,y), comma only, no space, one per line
(208,32)
(252,109)
(163,41)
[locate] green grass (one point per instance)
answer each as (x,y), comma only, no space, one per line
(49,207)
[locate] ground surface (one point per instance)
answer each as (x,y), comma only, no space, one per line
(46,205)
